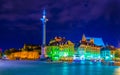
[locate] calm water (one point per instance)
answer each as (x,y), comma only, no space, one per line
(40,68)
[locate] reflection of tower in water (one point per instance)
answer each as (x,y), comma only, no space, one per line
(44,20)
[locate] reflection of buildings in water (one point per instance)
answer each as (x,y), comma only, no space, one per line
(65,69)
(117,71)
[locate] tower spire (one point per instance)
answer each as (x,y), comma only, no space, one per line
(44,20)
(83,37)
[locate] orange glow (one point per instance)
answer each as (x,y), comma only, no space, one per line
(24,55)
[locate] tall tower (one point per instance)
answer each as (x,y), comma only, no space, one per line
(44,20)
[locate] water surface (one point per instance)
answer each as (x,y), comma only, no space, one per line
(41,68)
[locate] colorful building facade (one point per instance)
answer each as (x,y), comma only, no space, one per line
(60,49)
(28,52)
(108,53)
(105,53)
(88,50)
(24,55)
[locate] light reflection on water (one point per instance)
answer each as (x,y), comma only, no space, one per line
(65,69)
(117,71)
(40,68)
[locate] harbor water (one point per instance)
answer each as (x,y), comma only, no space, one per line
(43,68)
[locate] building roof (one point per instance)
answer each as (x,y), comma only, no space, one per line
(58,41)
(105,49)
(97,41)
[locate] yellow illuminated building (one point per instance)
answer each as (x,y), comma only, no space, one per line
(24,55)
(28,52)
(112,51)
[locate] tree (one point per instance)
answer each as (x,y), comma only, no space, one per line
(12,50)
(117,54)
(7,52)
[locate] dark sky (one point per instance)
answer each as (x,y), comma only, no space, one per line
(20,20)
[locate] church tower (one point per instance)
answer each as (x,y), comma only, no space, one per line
(83,37)
(84,40)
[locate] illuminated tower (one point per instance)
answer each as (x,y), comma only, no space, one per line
(83,38)
(44,20)
(91,41)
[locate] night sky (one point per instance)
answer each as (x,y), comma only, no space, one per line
(20,21)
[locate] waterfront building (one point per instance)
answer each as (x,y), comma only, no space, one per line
(24,55)
(108,52)
(105,53)
(28,52)
(89,49)
(60,49)
(112,51)
(31,47)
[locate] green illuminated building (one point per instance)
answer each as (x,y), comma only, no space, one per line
(60,49)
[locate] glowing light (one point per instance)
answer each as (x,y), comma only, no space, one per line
(106,57)
(99,57)
(53,51)
(65,54)
(82,57)
(117,71)
(74,57)
(111,56)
